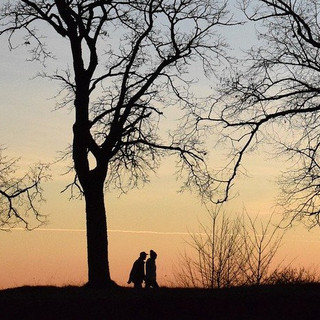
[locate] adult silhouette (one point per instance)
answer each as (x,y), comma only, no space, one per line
(151,271)
(137,274)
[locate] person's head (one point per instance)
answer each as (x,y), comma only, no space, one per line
(143,255)
(153,254)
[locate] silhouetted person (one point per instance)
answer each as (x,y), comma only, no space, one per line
(151,271)
(137,275)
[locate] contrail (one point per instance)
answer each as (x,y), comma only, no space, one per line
(173,233)
(43,229)
(150,232)
(111,231)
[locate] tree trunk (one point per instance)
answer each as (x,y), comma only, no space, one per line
(97,239)
(92,182)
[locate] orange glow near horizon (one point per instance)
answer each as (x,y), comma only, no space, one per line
(58,256)
(155,217)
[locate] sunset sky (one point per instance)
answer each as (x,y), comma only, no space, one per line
(155,217)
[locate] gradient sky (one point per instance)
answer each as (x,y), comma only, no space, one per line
(156,217)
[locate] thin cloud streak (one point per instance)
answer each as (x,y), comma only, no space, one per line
(112,231)
(138,232)
(149,232)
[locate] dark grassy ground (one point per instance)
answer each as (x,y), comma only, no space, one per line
(268,302)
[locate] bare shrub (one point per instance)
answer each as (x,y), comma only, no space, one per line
(260,243)
(217,254)
(291,275)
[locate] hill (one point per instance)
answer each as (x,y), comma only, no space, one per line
(265,302)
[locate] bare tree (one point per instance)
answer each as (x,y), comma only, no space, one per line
(20,196)
(274,96)
(130,64)
(261,242)
(232,253)
(217,254)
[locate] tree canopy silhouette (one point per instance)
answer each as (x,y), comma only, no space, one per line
(274,95)
(20,195)
(130,68)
